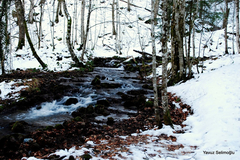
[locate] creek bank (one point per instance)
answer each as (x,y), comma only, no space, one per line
(29,140)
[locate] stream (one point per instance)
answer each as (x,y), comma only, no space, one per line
(56,112)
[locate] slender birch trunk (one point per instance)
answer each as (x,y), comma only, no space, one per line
(225,23)
(68,36)
(82,21)
(113,18)
(164,41)
(237,25)
(31,11)
(87,29)
(154,79)
(20,21)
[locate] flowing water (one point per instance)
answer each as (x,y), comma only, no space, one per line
(51,113)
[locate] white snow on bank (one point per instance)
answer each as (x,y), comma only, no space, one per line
(214,97)
(10,90)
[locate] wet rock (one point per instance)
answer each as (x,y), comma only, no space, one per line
(103,102)
(79,112)
(96,80)
(78,118)
(19,126)
(146,86)
(138,101)
(71,101)
(89,109)
(99,108)
(137,92)
(86,156)
(110,121)
(59,126)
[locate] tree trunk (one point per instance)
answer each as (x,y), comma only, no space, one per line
(28,36)
(189,62)
(58,11)
(113,19)
(40,23)
(128,6)
(20,21)
(237,25)
(31,11)
(4,35)
(193,34)
(68,37)
(166,113)
(154,78)
(87,30)
(156,8)
(118,45)
(82,21)
(178,71)
(179,7)
(225,23)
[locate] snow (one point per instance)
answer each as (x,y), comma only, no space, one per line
(213,95)
(214,98)
(10,90)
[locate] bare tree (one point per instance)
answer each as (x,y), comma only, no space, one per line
(128,6)
(154,79)
(113,18)
(177,34)
(225,23)
(68,37)
(164,41)
(4,34)
(20,22)
(21,11)
(31,11)
(87,30)
(41,4)
(82,21)
(237,25)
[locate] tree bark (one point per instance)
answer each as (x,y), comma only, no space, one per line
(225,23)
(82,21)
(154,78)
(87,30)
(31,11)
(20,21)
(128,6)
(4,35)
(40,23)
(237,25)
(113,19)
(68,37)
(166,113)
(28,36)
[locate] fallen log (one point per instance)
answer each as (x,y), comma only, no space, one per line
(145,53)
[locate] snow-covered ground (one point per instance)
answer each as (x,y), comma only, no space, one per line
(213,95)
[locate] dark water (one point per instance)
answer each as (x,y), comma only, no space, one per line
(51,113)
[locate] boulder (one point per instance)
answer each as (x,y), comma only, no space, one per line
(71,101)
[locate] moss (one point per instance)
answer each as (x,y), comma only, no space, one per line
(1,108)
(18,127)
(89,109)
(48,128)
(86,156)
(149,104)
(77,119)
(110,121)
(59,126)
